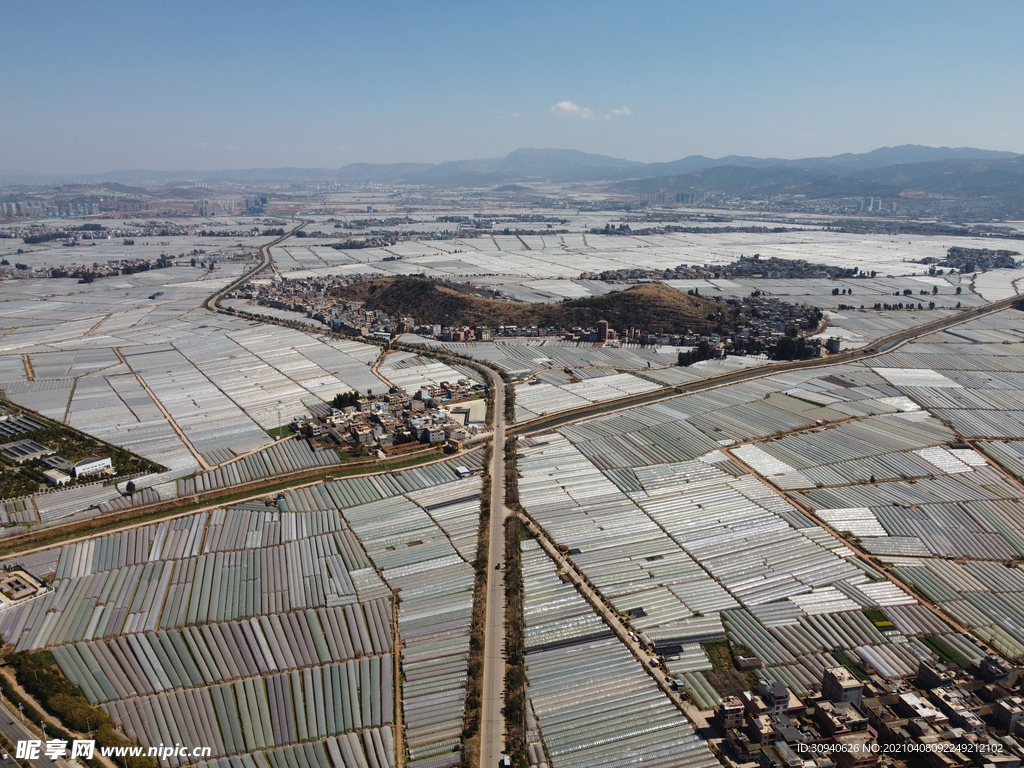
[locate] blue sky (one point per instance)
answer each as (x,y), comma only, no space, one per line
(95,86)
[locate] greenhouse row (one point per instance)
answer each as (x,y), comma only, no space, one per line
(252,617)
(141,498)
(977,514)
(554,613)
(218,428)
(374,748)
(751,410)
(252,627)
(150,663)
(730,541)
(242,527)
(536,399)
(435,587)
(456,511)
(1009,455)
(526,356)
(248,528)
(168,540)
(867,437)
(593,703)
(278,459)
(984,596)
(410,371)
(264,370)
(621,550)
(263,713)
(226,586)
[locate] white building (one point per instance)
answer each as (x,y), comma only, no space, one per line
(56,477)
(92,466)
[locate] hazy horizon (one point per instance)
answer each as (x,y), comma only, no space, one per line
(114,171)
(179,87)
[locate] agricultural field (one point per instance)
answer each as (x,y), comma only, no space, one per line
(160,377)
(550,266)
(134,360)
(262,628)
(589,700)
(862,514)
(806,517)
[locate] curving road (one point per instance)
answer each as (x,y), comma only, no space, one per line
(492,722)
(213,302)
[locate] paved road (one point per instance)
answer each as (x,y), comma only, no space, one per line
(12,728)
(492,722)
(879,347)
(492,719)
(212,303)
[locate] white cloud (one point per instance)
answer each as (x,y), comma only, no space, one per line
(568,109)
(571,109)
(515,114)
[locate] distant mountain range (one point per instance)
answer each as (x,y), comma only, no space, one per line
(960,177)
(885,171)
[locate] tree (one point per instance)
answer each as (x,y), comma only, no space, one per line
(129,487)
(935,289)
(345,400)
(792,347)
(703,351)
(959,290)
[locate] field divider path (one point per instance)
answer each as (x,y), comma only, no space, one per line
(167,415)
(860,553)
